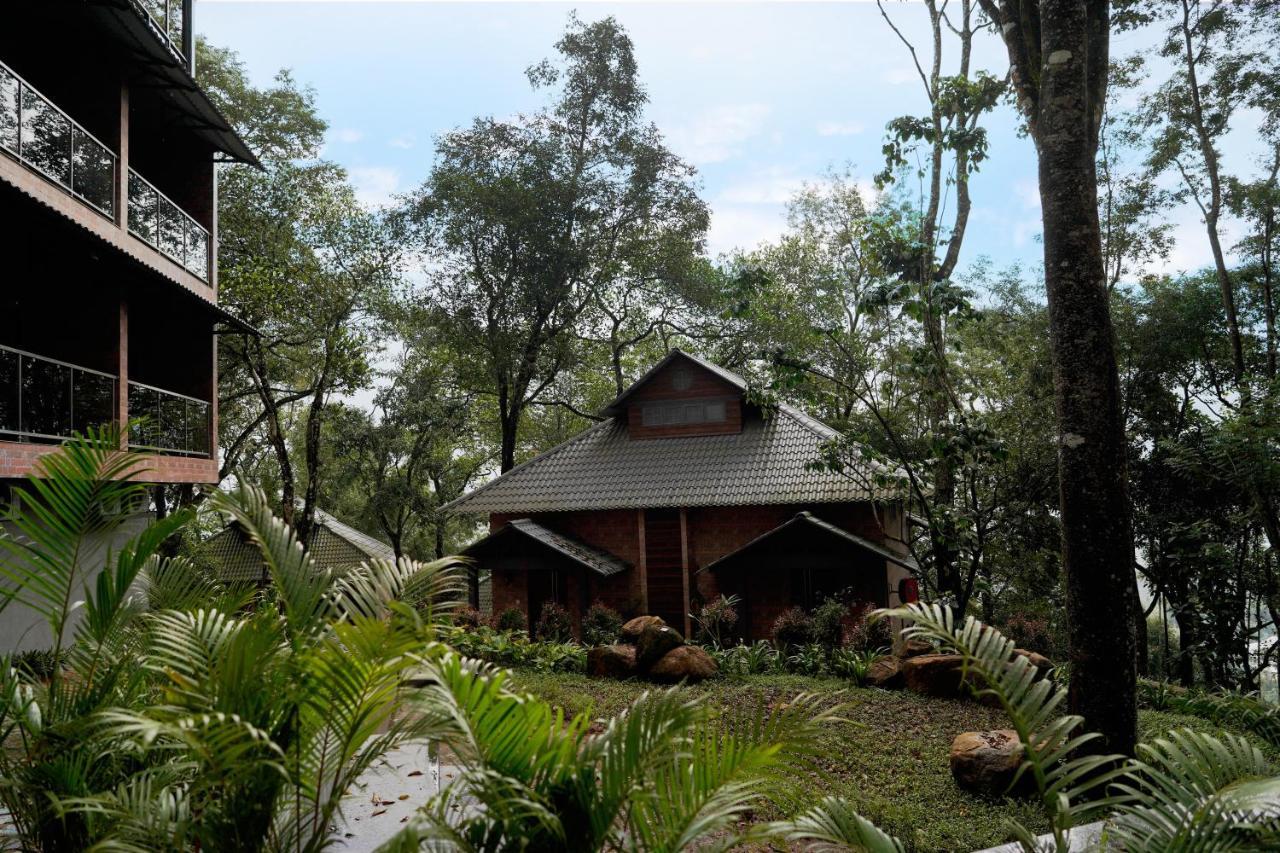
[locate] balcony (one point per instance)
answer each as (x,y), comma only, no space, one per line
(164,226)
(50,142)
(167,22)
(43,400)
(168,423)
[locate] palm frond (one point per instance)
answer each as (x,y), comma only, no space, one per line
(833,825)
(79,495)
(1193,791)
(302,588)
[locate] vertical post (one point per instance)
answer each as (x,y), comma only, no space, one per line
(188,36)
(122,159)
(684,567)
(644,566)
(122,373)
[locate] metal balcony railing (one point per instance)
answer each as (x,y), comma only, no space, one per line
(156,220)
(166,20)
(45,138)
(165,422)
(43,399)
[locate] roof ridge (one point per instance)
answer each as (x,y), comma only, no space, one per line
(528,463)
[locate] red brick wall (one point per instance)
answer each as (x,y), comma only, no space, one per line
(712,533)
(18,460)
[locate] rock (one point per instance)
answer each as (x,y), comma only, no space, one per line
(886,673)
(630,632)
(618,661)
(914,648)
(935,675)
(654,642)
(1042,664)
(985,762)
(683,663)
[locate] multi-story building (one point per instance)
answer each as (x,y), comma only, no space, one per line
(108,234)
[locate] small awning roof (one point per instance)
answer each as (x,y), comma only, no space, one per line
(807,521)
(600,562)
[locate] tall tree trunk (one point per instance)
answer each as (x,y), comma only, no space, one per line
(1058,52)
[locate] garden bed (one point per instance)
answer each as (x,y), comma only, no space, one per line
(889,758)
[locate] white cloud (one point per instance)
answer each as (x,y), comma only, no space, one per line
(375,185)
(347,134)
(840,128)
(718,134)
(743,227)
(771,187)
(404,141)
(898,76)
(1028,192)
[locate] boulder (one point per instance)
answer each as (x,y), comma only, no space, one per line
(985,762)
(683,663)
(1042,664)
(630,632)
(914,648)
(654,642)
(618,661)
(935,675)
(886,673)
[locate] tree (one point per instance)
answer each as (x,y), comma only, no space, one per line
(527,221)
(1058,58)
(301,261)
(955,145)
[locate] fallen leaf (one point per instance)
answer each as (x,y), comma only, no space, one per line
(416,773)
(378,812)
(403,797)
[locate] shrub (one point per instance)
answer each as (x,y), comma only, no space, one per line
(601,625)
(511,619)
(555,625)
(863,634)
(1029,632)
(792,629)
(854,664)
(828,623)
(38,663)
(717,619)
(809,659)
(468,617)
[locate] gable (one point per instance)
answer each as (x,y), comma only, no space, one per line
(682,396)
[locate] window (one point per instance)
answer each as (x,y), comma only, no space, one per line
(683,413)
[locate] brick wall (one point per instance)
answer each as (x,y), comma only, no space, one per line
(712,533)
(19,460)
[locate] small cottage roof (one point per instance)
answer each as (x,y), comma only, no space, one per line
(333,545)
(600,562)
(808,522)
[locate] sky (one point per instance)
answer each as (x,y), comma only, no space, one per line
(760,97)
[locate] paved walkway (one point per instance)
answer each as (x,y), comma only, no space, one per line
(387,794)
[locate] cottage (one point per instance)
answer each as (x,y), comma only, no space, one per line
(688,489)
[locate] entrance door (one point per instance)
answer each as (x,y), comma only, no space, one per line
(664,566)
(544,586)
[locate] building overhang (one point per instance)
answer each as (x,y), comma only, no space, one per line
(158,67)
(525,530)
(808,525)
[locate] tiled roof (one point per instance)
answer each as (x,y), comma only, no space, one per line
(806,519)
(335,545)
(602,468)
(602,563)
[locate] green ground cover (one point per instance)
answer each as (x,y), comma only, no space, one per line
(889,759)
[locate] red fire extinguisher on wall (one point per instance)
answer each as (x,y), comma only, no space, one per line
(908,590)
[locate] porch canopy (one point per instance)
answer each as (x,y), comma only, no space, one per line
(513,539)
(798,534)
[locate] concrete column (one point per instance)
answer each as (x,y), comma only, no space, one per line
(644,566)
(122,160)
(122,371)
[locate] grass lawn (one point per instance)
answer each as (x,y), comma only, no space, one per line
(889,760)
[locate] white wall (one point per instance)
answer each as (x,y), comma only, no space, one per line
(22,629)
